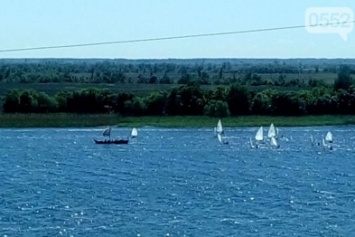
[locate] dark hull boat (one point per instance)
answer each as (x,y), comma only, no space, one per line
(117,141)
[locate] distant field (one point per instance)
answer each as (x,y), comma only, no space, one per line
(137,89)
(327,78)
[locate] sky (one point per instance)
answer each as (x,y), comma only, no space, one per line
(38,23)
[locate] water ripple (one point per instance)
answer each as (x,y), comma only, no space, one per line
(175,182)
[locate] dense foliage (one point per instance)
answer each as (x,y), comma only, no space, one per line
(233,91)
(187,99)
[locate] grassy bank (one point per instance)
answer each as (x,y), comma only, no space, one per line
(93,120)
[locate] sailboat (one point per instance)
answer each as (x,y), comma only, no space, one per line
(273,143)
(272,131)
(259,136)
(219,128)
(324,144)
(107,133)
(312,140)
(221,140)
(329,137)
(252,145)
(327,145)
(134,132)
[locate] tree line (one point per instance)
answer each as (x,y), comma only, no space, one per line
(190,99)
(204,72)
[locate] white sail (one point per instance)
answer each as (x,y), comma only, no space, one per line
(219,128)
(329,137)
(273,142)
(324,144)
(327,145)
(259,136)
(134,132)
(107,132)
(272,132)
(251,143)
(219,136)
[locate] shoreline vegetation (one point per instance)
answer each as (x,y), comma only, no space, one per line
(61,120)
(176,93)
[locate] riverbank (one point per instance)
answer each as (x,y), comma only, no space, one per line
(94,120)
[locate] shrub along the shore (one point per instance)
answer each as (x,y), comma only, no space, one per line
(93,120)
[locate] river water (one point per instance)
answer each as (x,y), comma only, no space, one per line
(176,182)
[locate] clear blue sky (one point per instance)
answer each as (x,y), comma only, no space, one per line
(38,23)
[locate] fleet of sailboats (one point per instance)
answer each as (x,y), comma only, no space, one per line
(259,137)
(272,136)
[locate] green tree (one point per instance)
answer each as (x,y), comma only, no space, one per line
(119,105)
(135,107)
(288,104)
(238,99)
(11,102)
(185,100)
(344,80)
(28,101)
(45,103)
(216,108)
(155,103)
(262,102)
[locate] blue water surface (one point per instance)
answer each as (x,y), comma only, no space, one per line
(176,182)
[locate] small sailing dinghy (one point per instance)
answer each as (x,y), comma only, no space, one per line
(134,133)
(252,146)
(273,143)
(219,128)
(329,137)
(272,131)
(327,142)
(221,140)
(259,136)
(107,133)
